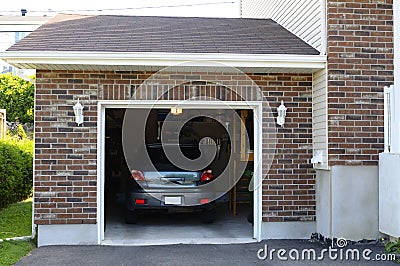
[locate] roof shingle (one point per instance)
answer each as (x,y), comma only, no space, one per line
(163,34)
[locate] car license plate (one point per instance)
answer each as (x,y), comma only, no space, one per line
(177,200)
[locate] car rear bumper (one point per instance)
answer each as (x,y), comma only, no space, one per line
(169,200)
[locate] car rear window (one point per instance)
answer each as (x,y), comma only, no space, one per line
(160,160)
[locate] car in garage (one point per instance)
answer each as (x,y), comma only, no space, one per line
(167,187)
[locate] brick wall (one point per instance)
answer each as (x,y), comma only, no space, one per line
(289,185)
(360,64)
(66,155)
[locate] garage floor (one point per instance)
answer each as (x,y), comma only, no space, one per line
(178,228)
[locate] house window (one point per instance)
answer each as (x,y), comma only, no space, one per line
(19,36)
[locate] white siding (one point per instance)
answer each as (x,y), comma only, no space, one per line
(320,116)
(13,29)
(303,18)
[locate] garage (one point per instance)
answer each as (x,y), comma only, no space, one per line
(79,168)
(217,141)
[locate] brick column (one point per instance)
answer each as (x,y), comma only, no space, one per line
(360,64)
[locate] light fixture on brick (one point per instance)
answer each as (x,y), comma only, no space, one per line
(78,111)
(280,120)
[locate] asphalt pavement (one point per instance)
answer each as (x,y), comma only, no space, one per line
(279,252)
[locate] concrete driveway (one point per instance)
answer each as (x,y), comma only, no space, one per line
(234,254)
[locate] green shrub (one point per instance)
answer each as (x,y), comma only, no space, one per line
(394,247)
(16,170)
(17,97)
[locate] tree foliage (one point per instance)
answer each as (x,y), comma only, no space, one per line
(16,170)
(17,97)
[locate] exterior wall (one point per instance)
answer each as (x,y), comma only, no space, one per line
(360,64)
(320,117)
(67,234)
(288,191)
(288,230)
(302,18)
(347,194)
(65,186)
(389,191)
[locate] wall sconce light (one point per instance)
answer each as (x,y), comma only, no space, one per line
(176,111)
(280,120)
(78,111)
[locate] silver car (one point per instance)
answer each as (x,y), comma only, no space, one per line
(166,187)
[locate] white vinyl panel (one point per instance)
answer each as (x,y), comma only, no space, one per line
(320,116)
(318,121)
(309,26)
(318,102)
(319,94)
(320,139)
(302,18)
(319,112)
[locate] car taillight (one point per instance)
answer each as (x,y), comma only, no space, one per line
(207,176)
(204,201)
(137,175)
(140,201)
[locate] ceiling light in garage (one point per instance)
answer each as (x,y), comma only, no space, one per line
(176,111)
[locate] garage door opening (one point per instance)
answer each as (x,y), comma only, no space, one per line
(140,208)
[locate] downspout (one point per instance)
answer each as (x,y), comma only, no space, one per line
(395,147)
(324,48)
(34,226)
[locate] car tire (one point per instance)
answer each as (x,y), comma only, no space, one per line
(208,216)
(131,217)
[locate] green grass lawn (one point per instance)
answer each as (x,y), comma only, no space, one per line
(15,220)
(13,251)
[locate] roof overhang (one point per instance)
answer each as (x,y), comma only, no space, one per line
(124,61)
(19,23)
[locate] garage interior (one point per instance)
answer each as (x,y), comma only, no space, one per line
(233,211)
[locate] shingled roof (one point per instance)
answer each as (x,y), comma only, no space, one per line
(163,34)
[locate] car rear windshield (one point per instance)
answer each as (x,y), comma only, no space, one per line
(160,160)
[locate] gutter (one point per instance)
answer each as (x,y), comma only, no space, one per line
(25,58)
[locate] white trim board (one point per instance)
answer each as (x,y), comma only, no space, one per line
(83,60)
(102,105)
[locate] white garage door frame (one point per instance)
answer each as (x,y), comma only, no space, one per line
(256,106)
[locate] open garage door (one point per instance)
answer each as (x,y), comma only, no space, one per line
(150,199)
